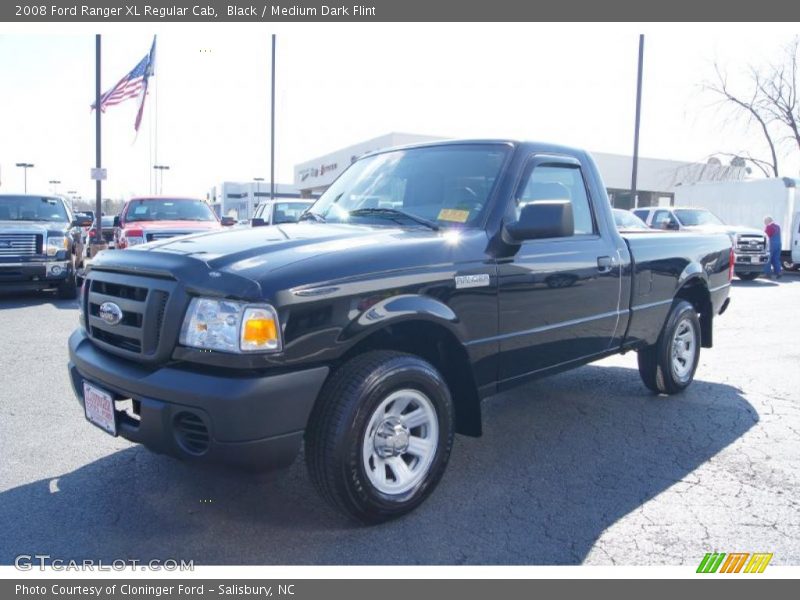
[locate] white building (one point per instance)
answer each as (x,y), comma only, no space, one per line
(239,199)
(656,180)
(314,176)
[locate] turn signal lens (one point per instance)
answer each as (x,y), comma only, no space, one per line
(260,330)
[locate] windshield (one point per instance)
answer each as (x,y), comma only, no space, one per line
(627,220)
(289,212)
(448,185)
(107,221)
(165,209)
(32,208)
(695,217)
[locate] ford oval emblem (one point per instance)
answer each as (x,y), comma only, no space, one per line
(110,313)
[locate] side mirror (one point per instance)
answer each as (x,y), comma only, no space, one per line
(116,221)
(227,221)
(258,222)
(550,219)
(673,226)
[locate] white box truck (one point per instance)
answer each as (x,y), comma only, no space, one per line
(747,202)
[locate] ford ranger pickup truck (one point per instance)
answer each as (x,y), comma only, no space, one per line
(425,279)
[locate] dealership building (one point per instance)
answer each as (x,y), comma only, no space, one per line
(657,178)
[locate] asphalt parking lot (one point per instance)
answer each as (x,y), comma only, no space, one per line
(584,467)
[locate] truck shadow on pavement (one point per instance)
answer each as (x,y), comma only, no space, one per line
(560,461)
(25,299)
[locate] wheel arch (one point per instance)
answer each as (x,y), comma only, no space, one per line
(435,339)
(694,289)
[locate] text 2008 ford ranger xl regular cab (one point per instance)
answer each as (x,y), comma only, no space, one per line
(423,280)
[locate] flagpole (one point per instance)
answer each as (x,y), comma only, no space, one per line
(98,232)
(272,129)
(634,171)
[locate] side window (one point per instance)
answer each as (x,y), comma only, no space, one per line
(559,182)
(663,219)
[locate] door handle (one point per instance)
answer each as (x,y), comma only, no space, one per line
(605,264)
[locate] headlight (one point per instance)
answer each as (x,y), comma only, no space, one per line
(55,243)
(231,326)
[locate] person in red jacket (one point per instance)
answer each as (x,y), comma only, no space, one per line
(773,232)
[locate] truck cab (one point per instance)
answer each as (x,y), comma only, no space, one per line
(751,252)
(278,212)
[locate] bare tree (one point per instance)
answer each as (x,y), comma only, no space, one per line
(768,100)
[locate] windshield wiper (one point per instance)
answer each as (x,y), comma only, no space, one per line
(393,213)
(310,214)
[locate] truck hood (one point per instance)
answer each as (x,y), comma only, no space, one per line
(729,229)
(32,227)
(296,255)
(170,225)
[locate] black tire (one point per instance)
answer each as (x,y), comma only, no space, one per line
(656,362)
(68,289)
(788,265)
(747,276)
(337,437)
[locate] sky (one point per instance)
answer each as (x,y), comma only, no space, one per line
(339,84)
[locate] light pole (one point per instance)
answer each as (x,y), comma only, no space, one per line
(258,181)
(54,183)
(25,166)
(73,194)
(161,169)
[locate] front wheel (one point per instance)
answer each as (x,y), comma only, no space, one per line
(379,439)
(668,367)
(68,289)
(747,276)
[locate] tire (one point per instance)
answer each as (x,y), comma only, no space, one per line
(664,367)
(788,265)
(68,289)
(747,276)
(358,432)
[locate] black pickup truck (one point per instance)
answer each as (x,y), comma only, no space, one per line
(425,279)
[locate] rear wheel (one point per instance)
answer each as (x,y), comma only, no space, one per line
(379,438)
(668,367)
(788,265)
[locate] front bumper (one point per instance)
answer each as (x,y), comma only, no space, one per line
(750,263)
(251,421)
(33,275)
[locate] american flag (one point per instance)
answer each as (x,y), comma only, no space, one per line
(133,85)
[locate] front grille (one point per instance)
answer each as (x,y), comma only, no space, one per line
(165,235)
(191,433)
(20,244)
(751,243)
(142,331)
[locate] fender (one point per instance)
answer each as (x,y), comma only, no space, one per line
(694,270)
(404,307)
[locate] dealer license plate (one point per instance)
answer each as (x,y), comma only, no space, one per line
(99,407)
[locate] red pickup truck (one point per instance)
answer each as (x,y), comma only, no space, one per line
(146,219)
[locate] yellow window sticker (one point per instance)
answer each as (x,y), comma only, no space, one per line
(452,214)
